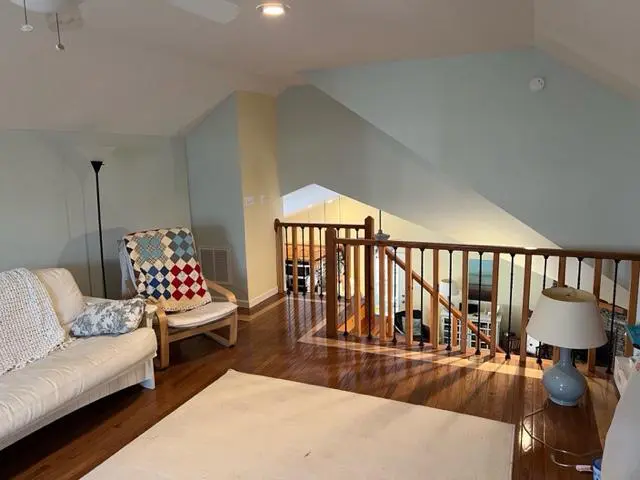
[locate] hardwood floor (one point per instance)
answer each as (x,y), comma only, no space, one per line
(268,345)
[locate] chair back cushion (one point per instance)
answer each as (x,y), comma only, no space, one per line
(65,294)
(166,269)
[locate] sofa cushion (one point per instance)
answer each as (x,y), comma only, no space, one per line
(207,314)
(28,394)
(64,292)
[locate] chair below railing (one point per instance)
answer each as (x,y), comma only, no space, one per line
(375,307)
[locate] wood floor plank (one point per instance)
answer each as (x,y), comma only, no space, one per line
(268,345)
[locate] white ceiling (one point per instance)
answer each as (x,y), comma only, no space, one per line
(146,67)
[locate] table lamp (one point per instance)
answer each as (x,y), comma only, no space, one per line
(566,318)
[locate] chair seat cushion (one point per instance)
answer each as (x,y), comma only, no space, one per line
(43,386)
(202,315)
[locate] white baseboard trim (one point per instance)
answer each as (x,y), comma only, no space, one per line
(259,299)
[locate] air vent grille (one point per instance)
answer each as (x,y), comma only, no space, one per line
(215,264)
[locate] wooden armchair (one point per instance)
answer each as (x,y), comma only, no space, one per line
(203,320)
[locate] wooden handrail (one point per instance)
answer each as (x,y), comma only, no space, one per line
(457,314)
(551,252)
(354,226)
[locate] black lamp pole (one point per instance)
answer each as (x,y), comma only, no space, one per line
(97,165)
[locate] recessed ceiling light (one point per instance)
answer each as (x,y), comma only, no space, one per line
(273,9)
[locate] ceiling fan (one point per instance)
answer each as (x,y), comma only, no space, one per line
(67,13)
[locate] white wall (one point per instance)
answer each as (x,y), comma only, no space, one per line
(563,161)
(215,188)
(47,198)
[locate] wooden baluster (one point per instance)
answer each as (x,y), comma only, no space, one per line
(422,328)
(395,291)
(526,293)
(312,260)
(369,284)
(294,256)
(597,282)
(633,304)
(331,285)
(612,332)
(390,319)
(465,302)
(562,282)
(494,303)
(382,318)
(347,267)
(408,296)
(357,313)
(434,310)
(279,256)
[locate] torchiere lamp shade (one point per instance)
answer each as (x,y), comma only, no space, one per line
(569,318)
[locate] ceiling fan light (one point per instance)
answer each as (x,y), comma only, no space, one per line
(26,28)
(273,9)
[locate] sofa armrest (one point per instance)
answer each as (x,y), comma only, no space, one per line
(228,294)
(150,311)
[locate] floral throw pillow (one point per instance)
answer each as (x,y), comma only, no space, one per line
(109,318)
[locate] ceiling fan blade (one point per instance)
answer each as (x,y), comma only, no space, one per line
(220,11)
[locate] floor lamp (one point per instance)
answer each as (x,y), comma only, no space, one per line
(97,165)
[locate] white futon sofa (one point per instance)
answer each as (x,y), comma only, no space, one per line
(83,372)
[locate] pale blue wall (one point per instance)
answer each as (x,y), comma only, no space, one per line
(564,161)
(321,141)
(215,188)
(48,211)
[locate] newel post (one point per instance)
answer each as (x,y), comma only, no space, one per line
(279,255)
(369,269)
(331,282)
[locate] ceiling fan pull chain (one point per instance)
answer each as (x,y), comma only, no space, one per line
(59,45)
(26,27)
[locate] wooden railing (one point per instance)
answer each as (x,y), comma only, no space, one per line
(301,256)
(409,257)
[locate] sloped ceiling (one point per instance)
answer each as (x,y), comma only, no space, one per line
(147,67)
(598,37)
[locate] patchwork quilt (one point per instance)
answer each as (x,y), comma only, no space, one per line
(166,269)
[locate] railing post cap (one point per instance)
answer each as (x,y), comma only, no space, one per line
(276,223)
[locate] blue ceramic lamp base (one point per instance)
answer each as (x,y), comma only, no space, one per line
(563,382)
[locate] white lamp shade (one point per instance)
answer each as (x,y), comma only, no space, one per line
(566,317)
(447,288)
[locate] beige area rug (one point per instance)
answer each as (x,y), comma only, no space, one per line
(252,427)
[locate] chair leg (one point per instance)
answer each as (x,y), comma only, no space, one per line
(233,333)
(233,330)
(163,339)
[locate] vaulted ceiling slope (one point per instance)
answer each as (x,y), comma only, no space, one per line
(598,37)
(146,67)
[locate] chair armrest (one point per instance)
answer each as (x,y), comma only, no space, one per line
(228,294)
